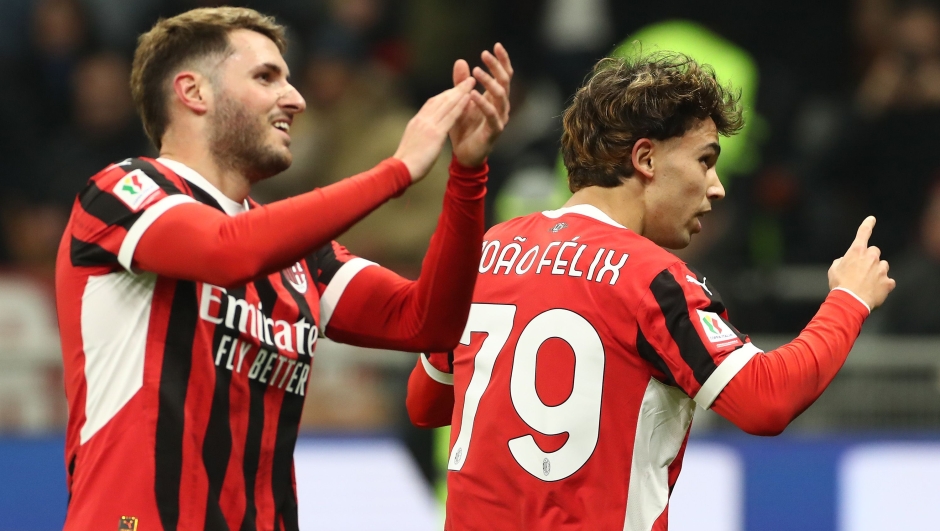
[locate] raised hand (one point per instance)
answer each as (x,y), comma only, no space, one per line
(424,136)
(481,123)
(861,270)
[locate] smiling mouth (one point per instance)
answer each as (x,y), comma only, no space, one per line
(282,126)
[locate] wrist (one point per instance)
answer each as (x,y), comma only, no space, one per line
(852,298)
(402,174)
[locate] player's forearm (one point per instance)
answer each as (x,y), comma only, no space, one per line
(381,310)
(441,296)
(774,388)
(195,243)
(430,403)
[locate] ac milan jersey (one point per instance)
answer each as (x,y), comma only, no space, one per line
(586,351)
(184,397)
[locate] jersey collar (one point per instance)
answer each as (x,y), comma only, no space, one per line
(590,211)
(229,206)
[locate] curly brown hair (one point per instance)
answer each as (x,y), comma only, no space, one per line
(655,96)
(180,42)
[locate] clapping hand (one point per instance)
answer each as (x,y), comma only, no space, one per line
(482,121)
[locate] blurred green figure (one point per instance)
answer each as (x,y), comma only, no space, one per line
(732,65)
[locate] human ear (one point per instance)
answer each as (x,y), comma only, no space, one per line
(642,157)
(192,91)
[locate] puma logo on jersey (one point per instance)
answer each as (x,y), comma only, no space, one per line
(127,523)
(694,280)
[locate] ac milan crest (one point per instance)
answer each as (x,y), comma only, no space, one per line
(296,277)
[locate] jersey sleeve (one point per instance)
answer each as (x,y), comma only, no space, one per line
(380,309)
(430,399)
(683,332)
(333,268)
(114,210)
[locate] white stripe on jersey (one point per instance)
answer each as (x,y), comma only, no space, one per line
(115,317)
(334,290)
(436,375)
(724,373)
(136,232)
(664,419)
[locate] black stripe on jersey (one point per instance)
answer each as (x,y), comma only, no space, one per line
(86,254)
(217,446)
(672,302)
(205,198)
(301,301)
(292,405)
(268,297)
(282,484)
(174,379)
(323,264)
(715,305)
(71,471)
(106,207)
(165,184)
(648,353)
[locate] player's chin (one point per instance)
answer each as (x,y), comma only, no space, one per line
(679,240)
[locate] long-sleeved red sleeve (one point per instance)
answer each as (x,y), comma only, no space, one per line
(380,309)
(193,241)
(430,401)
(773,388)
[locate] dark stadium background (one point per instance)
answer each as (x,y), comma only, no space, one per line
(845,122)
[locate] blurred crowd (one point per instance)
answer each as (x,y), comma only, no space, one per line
(845,117)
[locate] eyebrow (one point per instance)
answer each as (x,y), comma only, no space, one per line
(714,146)
(275,68)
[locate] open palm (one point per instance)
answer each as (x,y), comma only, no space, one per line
(482,121)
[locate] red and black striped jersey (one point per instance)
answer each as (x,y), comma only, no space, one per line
(184,397)
(577,376)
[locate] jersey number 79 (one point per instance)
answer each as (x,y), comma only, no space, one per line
(579,415)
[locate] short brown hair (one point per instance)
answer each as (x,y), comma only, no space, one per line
(655,96)
(179,41)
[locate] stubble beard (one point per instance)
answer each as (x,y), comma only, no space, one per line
(236,142)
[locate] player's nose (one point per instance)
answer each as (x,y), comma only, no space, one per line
(715,190)
(291,101)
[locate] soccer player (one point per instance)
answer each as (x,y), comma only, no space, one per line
(189,314)
(588,345)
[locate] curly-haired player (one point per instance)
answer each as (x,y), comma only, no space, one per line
(589,345)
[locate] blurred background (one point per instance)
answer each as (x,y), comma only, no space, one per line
(842,100)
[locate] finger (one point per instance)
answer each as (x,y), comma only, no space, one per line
(836,262)
(864,233)
(493,88)
(503,57)
(461,71)
(874,252)
(492,115)
(448,120)
(449,98)
(885,266)
(496,69)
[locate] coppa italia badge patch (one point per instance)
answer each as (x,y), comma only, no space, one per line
(128,523)
(134,188)
(715,329)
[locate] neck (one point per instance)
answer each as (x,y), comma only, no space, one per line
(232,183)
(623,204)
